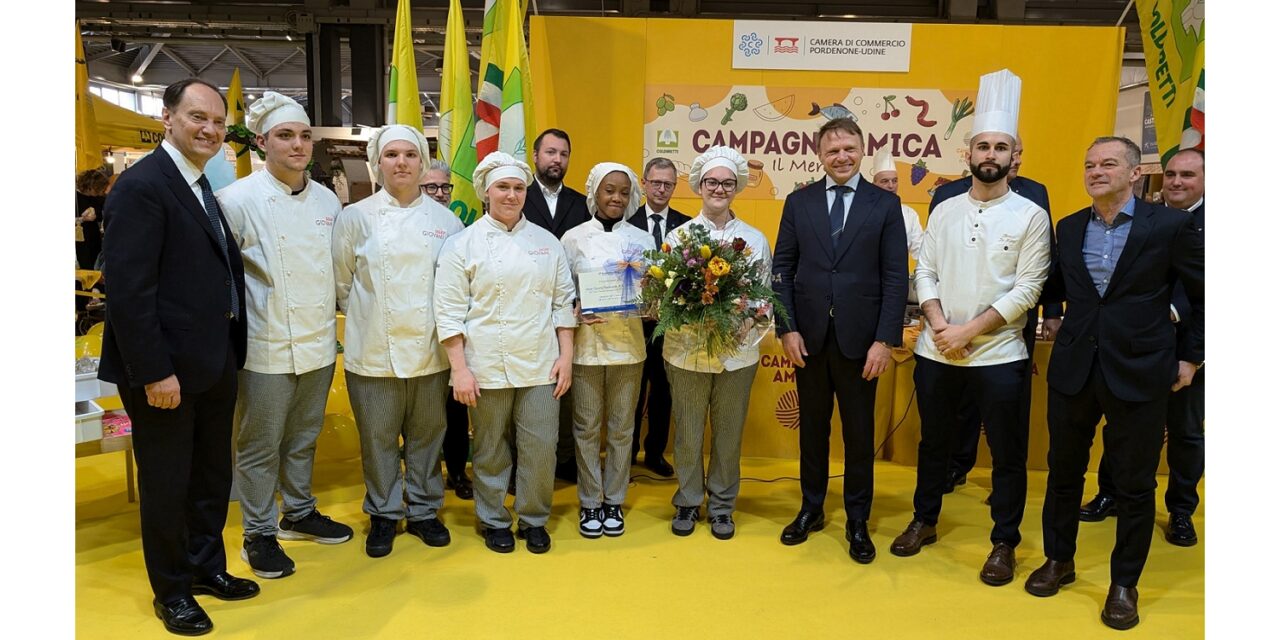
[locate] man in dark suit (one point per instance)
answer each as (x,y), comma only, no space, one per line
(556,207)
(1117,356)
(173,341)
(656,217)
(1183,189)
(840,270)
(968,421)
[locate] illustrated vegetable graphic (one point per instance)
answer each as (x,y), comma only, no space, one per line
(918,171)
(924,111)
(961,109)
(666,104)
(737,102)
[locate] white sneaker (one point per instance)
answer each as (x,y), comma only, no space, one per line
(589,523)
(613,523)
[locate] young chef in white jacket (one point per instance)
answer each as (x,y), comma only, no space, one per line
(608,349)
(282,222)
(384,254)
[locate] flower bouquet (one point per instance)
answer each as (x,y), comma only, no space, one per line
(715,288)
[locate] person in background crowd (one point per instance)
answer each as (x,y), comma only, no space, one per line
(657,218)
(384,258)
(91,193)
(557,208)
(608,351)
(703,384)
(174,338)
(282,223)
(841,272)
(983,262)
(884,174)
(1183,189)
(457,440)
(504,311)
(1117,357)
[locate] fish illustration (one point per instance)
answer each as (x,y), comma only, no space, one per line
(832,112)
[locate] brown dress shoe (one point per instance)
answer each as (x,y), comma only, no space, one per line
(1051,575)
(998,571)
(1121,610)
(916,535)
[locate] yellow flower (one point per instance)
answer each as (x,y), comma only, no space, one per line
(718,266)
(657,272)
(706,252)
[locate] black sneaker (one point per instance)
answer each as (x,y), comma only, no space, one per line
(589,522)
(537,540)
(613,523)
(315,527)
(382,535)
(432,531)
(499,539)
(265,557)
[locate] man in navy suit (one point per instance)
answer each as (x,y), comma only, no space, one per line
(1117,357)
(840,270)
(174,339)
(968,421)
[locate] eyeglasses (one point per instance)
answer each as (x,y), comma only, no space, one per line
(662,185)
(711,184)
(431,188)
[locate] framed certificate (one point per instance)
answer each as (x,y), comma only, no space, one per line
(604,292)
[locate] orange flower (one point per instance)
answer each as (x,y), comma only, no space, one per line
(708,297)
(718,266)
(666,248)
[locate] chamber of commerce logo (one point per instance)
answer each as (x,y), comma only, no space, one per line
(787,411)
(786,45)
(751,44)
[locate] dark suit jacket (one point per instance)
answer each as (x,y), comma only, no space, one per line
(1180,301)
(862,282)
(1128,328)
(641,219)
(571,209)
(170,301)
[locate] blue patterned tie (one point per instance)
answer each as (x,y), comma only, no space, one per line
(837,213)
(215,219)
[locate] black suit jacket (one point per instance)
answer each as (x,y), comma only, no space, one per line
(641,219)
(1128,328)
(1180,301)
(170,301)
(571,209)
(861,283)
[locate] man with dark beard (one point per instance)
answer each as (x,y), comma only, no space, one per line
(982,264)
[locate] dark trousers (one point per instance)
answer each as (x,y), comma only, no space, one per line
(1185,453)
(184,482)
(997,391)
(457,443)
(1133,433)
(827,372)
(965,451)
(658,399)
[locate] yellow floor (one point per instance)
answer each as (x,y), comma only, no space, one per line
(646,584)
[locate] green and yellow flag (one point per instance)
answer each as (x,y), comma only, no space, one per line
(1173,42)
(457,117)
(403,105)
(235,100)
(502,114)
(88,149)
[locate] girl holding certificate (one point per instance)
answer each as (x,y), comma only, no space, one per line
(606,254)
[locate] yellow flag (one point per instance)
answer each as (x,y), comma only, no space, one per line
(1173,44)
(88,149)
(457,117)
(235,100)
(403,106)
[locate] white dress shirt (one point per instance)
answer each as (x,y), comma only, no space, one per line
(506,292)
(977,255)
(699,360)
(384,258)
(848,197)
(552,197)
(915,233)
(620,338)
(285,241)
(190,172)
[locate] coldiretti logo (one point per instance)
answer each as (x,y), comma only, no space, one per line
(668,140)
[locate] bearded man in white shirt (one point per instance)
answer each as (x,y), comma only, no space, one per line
(982,264)
(282,222)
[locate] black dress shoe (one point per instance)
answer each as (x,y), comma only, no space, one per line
(800,528)
(1098,509)
(461,486)
(568,471)
(184,617)
(224,586)
(499,539)
(536,539)
(1181,532)
(659,465)
(861,548)
(954,479)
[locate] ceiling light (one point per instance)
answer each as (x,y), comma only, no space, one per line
(136,78)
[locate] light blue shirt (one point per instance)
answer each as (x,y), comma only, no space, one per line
(1103,244)
(847,198)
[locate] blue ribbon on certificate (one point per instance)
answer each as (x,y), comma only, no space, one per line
(630,268)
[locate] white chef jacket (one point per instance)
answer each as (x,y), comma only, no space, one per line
(285,241)
(698,359)
(506,292)
(620,339)
(977,255)
(384,257)
(915,233)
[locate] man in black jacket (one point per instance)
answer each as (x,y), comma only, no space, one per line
(174,339)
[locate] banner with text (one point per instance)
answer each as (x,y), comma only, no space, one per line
(821,46)
(776,128)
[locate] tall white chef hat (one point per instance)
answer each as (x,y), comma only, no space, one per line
(273,109)
(718,157)
(496,166)
(999,98)
(883,161)
(384,136)
(597,175)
